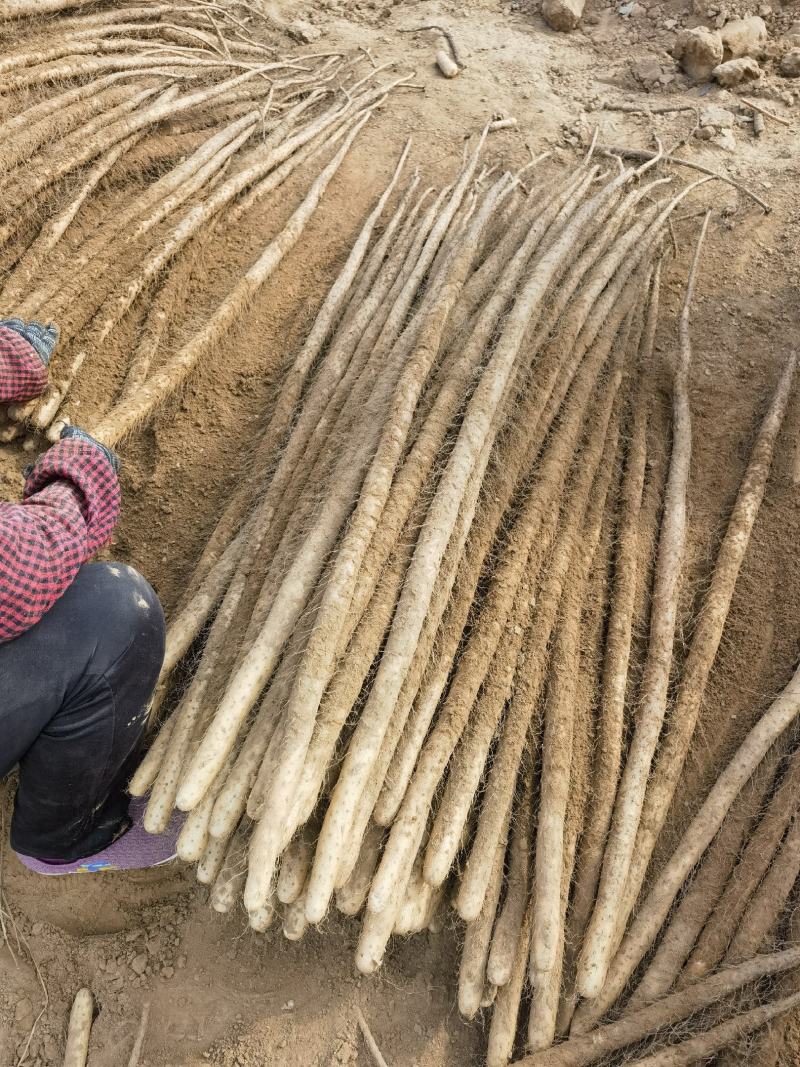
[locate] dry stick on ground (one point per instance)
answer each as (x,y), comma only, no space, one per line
(699,834)
(763,111)
(703,1046)
(138,1044)
(702,895)
(748,873)
(664,1013)
(369,1040)
(698,664)
(451,43)
(80,1026)
(635,153)
(599,942)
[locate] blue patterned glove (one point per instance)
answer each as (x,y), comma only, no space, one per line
(43,338)
(82,435)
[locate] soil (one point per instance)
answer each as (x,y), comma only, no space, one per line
(218,993)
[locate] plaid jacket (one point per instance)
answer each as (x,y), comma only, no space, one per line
(69,510)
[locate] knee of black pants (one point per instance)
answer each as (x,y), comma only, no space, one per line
(123,609)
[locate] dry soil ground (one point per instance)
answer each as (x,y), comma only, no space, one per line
(220,994)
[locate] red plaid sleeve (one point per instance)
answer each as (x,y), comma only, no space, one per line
(70,508)
(22,373)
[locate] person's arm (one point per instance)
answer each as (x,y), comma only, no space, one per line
(69,510)
(25,350)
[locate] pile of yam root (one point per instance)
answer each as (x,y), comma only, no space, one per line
(403,681)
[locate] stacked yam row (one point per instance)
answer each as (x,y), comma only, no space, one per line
(180,119)
(411,675)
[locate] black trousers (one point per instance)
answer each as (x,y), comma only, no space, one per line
(74,691)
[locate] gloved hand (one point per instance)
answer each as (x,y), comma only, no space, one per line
(43,338)
(82,435)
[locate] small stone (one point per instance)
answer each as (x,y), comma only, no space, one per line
(744,37)
(180,963)
(716,116)
(647,70)
(139,963)
(670,24)
(725,139)
(288,1006)
(37,928)
(736,71)
(303,31)
(23,1011)
(562,15)
(699,51)
(167,972)
(790,64)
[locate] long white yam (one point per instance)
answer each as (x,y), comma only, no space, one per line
(520,719)
(698,836)
(702,652)
(666,1012)
(508,929)
(610,733)
(698,1049)
(419,583)
(599,942)
(170,376)
(80,1026)
(52,232)
(317,666)
(477,938)
(503,1028)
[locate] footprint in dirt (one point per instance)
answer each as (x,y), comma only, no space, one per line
(93,903)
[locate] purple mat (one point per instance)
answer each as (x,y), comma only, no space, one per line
(134,851)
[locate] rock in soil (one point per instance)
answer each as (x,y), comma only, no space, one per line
(790,64)
(744,37)
(698,51)
(736,71)
(716,116)
(562,14)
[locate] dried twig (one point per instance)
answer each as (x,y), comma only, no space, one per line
(643,155)
(369,1040)
(138,1044)
(763,111)
(447,36)
(645,109)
